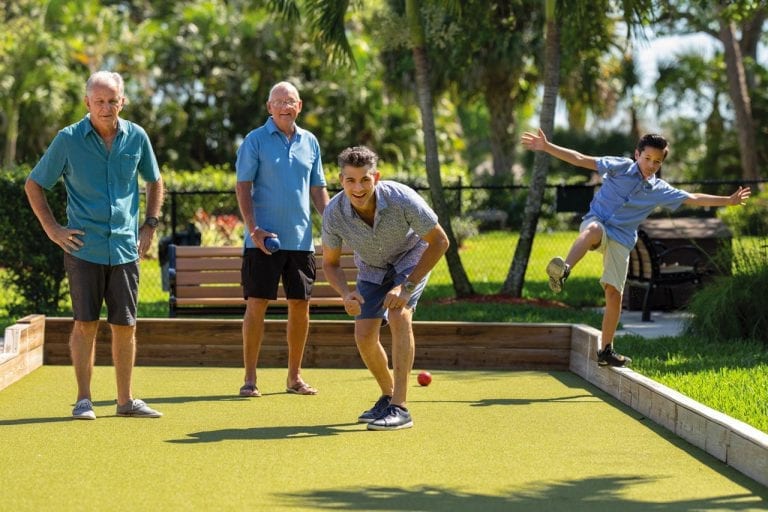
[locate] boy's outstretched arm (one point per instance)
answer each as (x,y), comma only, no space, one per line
(539,142)
(738,198)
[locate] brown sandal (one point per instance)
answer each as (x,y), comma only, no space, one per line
(301,388)
(249,390)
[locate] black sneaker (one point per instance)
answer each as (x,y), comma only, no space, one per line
(377,410)
(558,271)
(609,357)
(394,418)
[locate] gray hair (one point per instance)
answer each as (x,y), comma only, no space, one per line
(283,85)
(108,78)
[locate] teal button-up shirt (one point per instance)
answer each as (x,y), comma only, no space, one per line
(102,186)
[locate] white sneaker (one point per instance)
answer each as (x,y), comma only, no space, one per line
(83,410)
(137,409)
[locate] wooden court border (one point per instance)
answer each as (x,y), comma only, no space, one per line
(38,340)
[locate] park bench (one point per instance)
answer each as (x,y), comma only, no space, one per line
(206,281)
(653,266)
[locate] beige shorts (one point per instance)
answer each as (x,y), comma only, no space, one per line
(615,259)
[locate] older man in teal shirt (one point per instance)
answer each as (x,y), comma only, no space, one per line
(100,160)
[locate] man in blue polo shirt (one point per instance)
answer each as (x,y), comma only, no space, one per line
(279,170)
(397,241)
(629,193)
(100,159)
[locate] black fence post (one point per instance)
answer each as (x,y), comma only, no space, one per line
(173,214)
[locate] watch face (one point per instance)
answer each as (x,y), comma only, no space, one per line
(151,222)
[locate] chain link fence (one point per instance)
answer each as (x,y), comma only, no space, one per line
(486,223)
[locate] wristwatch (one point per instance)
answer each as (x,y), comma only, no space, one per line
(152,222)
(409,286)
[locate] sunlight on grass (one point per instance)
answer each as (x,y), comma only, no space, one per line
(488,256)
(729,377)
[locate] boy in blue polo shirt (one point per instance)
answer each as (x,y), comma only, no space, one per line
(629,193)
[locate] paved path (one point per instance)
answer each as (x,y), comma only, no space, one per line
(664,323)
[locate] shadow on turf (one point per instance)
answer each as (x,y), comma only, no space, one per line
(488,402)
(34,421)
(589,494)
(269,433)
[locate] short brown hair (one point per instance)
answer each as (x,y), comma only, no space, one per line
(358,156)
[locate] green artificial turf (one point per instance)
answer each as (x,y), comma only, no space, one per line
(483,440)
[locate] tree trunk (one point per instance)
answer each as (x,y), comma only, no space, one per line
(513,285)
(461,284)
(11,134)
(737,88)
(502,133)
(751,31)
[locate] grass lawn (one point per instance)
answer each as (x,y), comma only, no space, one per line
(731,378)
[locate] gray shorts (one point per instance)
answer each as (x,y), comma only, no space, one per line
(92,284)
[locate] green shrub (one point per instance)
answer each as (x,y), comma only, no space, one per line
(729,308)
(211,188)
(34,265)
(463,229)
(750,219)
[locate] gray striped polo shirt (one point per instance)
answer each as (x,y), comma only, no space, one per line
(402,218)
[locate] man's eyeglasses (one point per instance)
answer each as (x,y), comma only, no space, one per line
(284,103)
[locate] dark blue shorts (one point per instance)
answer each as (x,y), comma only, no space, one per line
(374,294)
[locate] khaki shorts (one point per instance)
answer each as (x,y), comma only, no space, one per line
(615,258)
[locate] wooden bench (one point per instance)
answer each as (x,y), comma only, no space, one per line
(652,265)
(206,280)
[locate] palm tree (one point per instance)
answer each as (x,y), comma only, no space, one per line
(724,22)
(513,284)
(327,19)
(461,283)
(578,14)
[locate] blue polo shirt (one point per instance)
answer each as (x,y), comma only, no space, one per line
(102,186)
(402,217)
(625,200)
(282,173)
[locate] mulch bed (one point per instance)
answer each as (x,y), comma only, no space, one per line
(504,299)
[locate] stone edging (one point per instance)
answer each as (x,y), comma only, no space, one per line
(735,443)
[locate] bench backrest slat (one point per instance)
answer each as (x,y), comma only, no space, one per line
(203,277)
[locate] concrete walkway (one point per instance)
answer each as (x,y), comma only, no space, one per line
(664,323)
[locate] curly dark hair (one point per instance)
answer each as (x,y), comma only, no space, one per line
(653,140)
(358,156)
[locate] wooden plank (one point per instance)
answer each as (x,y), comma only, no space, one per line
(228,301)
(218,342)
(205,292)
(210,276)
(187,264)
(28,354)
(199,277)
(193,277)
(187,251)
